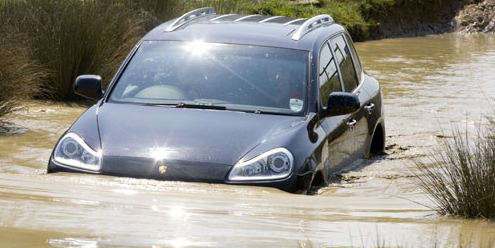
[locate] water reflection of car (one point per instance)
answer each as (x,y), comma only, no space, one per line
(200,99)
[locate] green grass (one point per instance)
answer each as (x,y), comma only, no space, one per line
(347,13)
(62,39)
(461,177)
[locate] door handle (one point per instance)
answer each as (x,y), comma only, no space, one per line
(370,108)
(351,123)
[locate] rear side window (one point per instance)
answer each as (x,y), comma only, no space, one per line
(329,77)
(355,57)
(344,60)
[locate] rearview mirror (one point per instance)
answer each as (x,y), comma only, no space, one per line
(88,86)
(342,103)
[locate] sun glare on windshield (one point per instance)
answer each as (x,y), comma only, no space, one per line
(198,47)
(216,76)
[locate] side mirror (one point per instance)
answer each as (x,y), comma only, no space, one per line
(342,103)
(88,86)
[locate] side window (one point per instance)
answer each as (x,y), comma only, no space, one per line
(355,57)
(344,60)
(329,77)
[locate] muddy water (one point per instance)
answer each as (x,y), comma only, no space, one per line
(428,83)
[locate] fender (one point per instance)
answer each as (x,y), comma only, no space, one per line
(381,122)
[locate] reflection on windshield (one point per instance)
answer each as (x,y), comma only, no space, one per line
(238,77)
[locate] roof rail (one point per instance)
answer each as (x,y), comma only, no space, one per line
(189,16)
(310,25)
(221,16)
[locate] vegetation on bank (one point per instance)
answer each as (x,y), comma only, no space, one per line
(461,177)
(73,37)
(55,40)
(20,76)
(351,13)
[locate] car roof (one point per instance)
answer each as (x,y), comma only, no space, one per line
(260,30)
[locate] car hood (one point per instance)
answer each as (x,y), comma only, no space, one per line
(194,135)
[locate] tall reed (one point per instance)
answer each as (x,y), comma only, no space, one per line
(20,76)
(73,37)
(155,12)
(461,177)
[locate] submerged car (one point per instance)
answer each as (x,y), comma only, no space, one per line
(236,99)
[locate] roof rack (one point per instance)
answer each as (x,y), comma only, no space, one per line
(189,16)
(293,21)
(245,17)
(270,18)
(221,16)
(310,25)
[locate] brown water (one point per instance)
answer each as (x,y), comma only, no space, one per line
(428,83)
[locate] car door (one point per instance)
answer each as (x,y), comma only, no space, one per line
(356,122)
(362,131)
(335,127)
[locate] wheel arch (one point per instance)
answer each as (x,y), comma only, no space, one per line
(377,141)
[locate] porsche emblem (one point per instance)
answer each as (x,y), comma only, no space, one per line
(162,169)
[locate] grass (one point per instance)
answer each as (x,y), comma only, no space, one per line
(464,238)
(60,39)
(347,13)
(461,177)
(20,76)
(72,37)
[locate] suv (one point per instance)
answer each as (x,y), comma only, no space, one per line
(237,99)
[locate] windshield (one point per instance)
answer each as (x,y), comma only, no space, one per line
(233,77)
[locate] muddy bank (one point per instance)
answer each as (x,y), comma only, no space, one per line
(413,18)
(478,16)
(417,18)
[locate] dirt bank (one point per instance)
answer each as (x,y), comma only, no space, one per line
(415,18)
(478,16)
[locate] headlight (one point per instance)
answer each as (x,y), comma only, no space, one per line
(74,152)
(274,164)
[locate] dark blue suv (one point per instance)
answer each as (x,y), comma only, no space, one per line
(237,99)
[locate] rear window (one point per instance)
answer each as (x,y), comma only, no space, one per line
(357,62)
(344,60)
(329,78)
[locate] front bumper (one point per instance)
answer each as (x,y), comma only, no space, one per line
(179,171)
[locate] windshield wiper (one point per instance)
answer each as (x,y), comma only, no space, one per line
(200,106)
(188,105)
(269,112)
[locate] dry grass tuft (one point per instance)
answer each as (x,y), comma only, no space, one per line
(72,37)
(20,76)
(461,177)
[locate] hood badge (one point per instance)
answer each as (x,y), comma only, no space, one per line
(162,168)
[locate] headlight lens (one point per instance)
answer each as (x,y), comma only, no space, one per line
(274,164)
(74,152)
